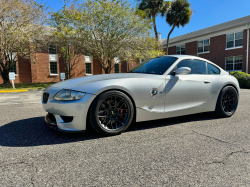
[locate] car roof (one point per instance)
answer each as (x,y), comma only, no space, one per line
(192,57)
(186,56)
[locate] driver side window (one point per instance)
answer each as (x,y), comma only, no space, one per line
(196,66)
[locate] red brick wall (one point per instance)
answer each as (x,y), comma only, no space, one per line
(23,70)
(172,50)
(191,48)
(97,67)
(79,67)
(123,66)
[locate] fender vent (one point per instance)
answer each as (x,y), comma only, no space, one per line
(67,119)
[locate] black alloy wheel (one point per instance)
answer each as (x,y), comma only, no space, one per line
(111,113)
(227,102)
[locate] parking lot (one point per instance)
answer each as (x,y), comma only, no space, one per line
(194,150)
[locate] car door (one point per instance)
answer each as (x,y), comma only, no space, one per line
(187,91)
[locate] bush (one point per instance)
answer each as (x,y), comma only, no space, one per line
(243,78)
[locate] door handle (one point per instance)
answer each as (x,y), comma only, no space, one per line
(207,81)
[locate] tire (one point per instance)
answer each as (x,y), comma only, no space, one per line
(111,113)
(227,102)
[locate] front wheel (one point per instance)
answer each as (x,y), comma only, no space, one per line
(227,102)
(111,113)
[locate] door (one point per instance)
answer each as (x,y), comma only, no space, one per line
(187,91)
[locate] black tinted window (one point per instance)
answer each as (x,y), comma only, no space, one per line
(196,66)
(154,66)
(212,69)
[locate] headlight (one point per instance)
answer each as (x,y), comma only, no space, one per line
(68,95)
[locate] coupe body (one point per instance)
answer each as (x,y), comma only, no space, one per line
(163,87)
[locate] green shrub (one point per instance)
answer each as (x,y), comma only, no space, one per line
(243,78)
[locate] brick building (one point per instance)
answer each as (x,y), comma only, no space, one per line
(226,44)
(49,65)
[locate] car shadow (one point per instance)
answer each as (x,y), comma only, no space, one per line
(34,131)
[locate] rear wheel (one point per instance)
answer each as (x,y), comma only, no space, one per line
(111,113)
(227,102)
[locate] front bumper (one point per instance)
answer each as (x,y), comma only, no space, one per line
(77,109)
(54,126)
(50,123)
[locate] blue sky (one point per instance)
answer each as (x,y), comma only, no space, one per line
(206,13)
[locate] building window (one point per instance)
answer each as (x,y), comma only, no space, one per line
(88,68)
(13,68)
(52,49)
(235,40)
(234,63)
(204,46)
(117,68)
(53,60)
(53,68)
(180,50)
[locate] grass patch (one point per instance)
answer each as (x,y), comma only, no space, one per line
(26,86)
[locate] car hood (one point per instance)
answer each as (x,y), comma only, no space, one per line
(68,84)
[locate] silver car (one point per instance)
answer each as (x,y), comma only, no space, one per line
(163,87)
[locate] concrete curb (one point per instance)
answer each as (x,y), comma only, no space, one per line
(31,90)
(8,91)
(12,91)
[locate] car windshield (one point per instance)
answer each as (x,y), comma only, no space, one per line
(156,66)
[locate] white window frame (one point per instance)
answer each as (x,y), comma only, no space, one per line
(88,60)
(180,49)
(203,46)
(233,63)
(52,74)
(234,41)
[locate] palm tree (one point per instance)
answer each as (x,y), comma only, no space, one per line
(179,14)
(152,8)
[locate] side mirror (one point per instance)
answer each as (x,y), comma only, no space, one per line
(183,71)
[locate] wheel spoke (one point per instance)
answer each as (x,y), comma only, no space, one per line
(102,116)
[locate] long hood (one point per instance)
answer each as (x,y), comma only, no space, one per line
(68,84)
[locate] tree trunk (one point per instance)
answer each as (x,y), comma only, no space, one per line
(5,76)
(108,68)
(155,29)
(168,38)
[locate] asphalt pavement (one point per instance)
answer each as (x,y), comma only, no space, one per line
(194,150)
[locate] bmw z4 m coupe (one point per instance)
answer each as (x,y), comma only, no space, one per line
(163,87)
